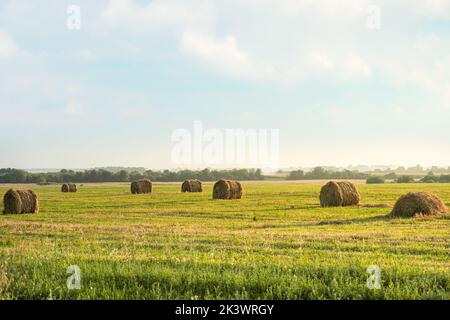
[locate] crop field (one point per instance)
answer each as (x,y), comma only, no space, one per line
(275,243)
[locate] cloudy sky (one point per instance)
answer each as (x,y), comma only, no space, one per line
(341,88)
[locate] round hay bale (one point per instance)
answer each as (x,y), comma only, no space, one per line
(72,187)
(20,201)
(65,188)
(134,187)
(227,189)
(191,186)
(12,202)
(339,194)
(141,186)
(419,203)
(146,186)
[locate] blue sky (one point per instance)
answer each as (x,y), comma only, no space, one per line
(112,92)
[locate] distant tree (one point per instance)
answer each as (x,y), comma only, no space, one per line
(318,173)
(20,176)
(122,176)
(135,175)
(296,175)
(390,176)
(445,178)
(322,173)
(375,180)
(430,178)
(405,179)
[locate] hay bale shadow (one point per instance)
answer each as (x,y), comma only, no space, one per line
(380,205)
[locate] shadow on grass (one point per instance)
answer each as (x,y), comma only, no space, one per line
(329,222)
(356,220)
(306,207)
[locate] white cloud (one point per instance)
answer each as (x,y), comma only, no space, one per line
(435,6)
(325,9)
(73,108)
(135,113)
(289,40)
(8,47)
(74,91)
(87,55)
(226,57)
(342,66)
(321,60)
(247,116)
(131,49)
(342,10)
(398,109)
(355,67)
(224,54)
(16,8)
(156,15)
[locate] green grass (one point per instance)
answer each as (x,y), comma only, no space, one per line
(276,243)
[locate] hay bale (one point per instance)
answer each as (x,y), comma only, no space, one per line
(339,194)
(134,187)
(146,186)
(419,203)
(69,187)
(227,189)
(20,201)
(141,186)
(65,187)
(191,186)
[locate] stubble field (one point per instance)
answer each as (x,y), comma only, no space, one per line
(275,243)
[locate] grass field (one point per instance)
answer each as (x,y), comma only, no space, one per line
(276,243)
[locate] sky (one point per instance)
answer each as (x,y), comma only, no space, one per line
(344,82)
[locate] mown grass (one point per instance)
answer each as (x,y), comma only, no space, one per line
(276,243)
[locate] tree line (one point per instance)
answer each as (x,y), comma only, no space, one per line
(101,175)
(429,178)
(321,173)
(432,178)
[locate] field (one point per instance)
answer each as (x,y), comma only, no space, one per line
(276,243)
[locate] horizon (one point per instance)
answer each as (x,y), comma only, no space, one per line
(360,168)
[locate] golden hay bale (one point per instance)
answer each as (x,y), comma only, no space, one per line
(141,186)
(65,187)
(191,186)
(134,187)
(339,194)
(20,201)
(72,187)
(146,186)
(227,189)
(419,203)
